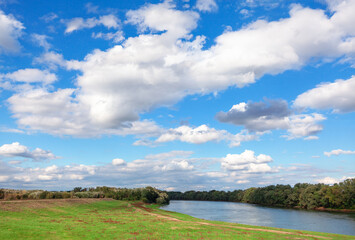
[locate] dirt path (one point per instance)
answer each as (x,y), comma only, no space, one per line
(141,207)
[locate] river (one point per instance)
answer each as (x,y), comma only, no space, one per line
(244,213)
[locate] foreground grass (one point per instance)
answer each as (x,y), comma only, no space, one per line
(111,219)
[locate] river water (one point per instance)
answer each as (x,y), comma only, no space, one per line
(244,213)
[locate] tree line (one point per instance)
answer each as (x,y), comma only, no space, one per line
(301,195)
(147,194)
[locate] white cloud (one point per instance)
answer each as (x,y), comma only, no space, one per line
(167,63)
(31,75)
(41,40)
(311,137)
(305,125)
(15,149)
(4,178)
(11,130)
(246,13)
(51,59)
(177,165)
(331,181)
(338,96)
(161,17)
(206,5)
(116,37)
(109,21)
(11,30)
(45,177)
(338,152)
(49,17)
(59,113)
(242,181)
(118,161)
(247,162)
(203,134)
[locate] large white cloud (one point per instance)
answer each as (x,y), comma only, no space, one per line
(338,96)
(165,63)
(11,30)
(15,149)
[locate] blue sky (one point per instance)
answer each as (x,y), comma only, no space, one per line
(179,95)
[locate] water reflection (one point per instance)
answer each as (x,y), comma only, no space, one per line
(342,223)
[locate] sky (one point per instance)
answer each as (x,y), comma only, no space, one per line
(176,94)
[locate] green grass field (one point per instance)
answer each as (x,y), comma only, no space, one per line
(111,219)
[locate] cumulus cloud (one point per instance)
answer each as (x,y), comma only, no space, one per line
(11,30)
(59,113)
(338,152)
(203,134)
(274,114)
(338,96)
(75,24)
(206,5)
(165,63)
(247,162)
(163,17)
(331,181)
(15,149)
(118,161)
(31,75)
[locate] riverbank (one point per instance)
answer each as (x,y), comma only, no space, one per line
(334,210)
(112,219)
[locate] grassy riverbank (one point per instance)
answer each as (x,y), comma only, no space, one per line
(111,219)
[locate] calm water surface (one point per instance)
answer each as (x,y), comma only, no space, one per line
(341,223)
